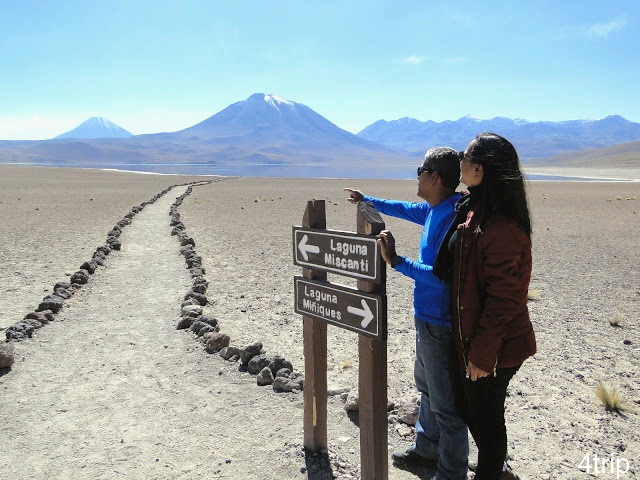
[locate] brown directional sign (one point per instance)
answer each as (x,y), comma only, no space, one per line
(345,253)
(342,306)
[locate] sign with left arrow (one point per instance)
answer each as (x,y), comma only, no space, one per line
(344,253)
(342,306)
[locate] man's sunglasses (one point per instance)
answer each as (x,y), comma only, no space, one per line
(423,169)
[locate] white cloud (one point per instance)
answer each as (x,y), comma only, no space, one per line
(413,59)
(603,30)
(35,118)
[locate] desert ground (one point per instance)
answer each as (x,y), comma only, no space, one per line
(111,389)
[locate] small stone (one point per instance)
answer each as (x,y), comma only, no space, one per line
(257,363)
(352,403)
(216,341)
(185,322)
(229,352)
(404,430)
(6,355)
(264,377)
(294,382)
(337,391)
(407,411)
(191,311)
(626,341)
(249,351)
(80,277)
(51,302)
(278,363)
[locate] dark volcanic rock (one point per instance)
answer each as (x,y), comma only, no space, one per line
(249,351)
(185,322)
(20,330)
(89,266)
(264,377)
(6,355)
(63,292)
(216,341)
(257,363)
(288,381)
(199,297)
(278,363)
(114,242)
(80,277)
(230,352)
(51,302)
(200,328)
(43,317)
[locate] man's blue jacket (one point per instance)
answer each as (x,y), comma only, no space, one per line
(431,302)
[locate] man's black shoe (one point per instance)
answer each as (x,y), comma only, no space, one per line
(410,457)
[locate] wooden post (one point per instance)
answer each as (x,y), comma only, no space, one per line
(315,351)
(373,372)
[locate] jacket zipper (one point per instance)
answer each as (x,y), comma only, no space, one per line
(464,352)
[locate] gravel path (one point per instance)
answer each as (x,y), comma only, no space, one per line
(111,389)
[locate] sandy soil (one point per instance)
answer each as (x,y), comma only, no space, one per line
(111,390)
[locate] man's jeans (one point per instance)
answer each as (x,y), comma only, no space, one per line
(440,433)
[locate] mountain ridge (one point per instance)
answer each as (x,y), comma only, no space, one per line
(532,139)
(267,130)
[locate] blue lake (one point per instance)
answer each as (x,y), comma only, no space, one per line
(397,172)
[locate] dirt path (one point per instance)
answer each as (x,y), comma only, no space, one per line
(110,389)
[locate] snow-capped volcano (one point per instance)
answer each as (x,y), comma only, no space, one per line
(271,120)
(97,127)
(275,101)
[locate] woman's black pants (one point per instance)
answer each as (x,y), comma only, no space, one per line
(485,416)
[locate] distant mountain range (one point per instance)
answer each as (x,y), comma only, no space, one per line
(531,139)
(96,127)
(263,129)
(268,130)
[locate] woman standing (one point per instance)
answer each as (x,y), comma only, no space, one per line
(487,258)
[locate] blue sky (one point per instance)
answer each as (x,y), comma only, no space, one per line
(152,66)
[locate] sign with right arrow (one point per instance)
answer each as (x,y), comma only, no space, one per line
(342,306)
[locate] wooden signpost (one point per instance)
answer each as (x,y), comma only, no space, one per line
(363,310)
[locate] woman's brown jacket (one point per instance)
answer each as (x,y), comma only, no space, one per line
(491,274)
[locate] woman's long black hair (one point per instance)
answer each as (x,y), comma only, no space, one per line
(503,188)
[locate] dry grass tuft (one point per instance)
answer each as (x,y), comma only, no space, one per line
(534,295)
(345,364)
(609,396)
(615,319)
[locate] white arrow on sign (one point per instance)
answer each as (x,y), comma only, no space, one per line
(304,248)
(364,312)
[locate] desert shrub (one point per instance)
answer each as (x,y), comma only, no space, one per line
(609,396)
(533,295)
(615,319)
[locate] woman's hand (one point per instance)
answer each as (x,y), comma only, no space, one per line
(474,372)
(355,196)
